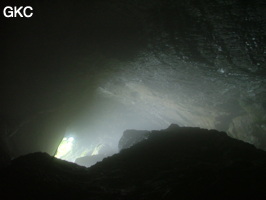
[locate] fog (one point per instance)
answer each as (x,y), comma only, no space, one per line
(91,70)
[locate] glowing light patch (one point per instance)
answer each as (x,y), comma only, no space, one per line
(65,147)
(96,150)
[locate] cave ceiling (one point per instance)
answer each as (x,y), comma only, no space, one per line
(113,65)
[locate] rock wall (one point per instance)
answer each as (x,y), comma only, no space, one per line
(195,63)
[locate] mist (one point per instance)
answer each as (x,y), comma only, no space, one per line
(92,70)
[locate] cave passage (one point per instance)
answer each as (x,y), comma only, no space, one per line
(75,76)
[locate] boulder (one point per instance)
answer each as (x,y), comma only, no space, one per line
(132,137)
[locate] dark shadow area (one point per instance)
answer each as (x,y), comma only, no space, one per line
(175,163)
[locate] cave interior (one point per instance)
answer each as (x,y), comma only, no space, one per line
(77,75)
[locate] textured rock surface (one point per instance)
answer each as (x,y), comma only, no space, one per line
(183,163)
(196,63)
(204,66)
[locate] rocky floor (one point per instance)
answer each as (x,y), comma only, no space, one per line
(179,163)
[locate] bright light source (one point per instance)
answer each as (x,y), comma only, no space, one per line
(65,147)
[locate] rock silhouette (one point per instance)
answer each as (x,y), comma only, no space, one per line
(175,163)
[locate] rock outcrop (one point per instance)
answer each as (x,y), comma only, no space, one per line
(180,163)
(132,137)
(88,161)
